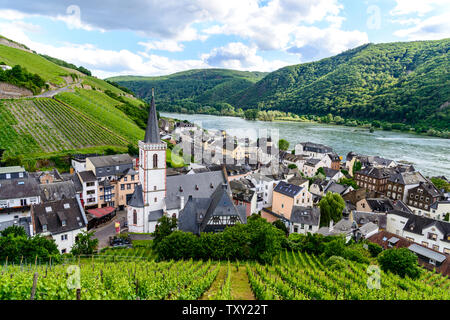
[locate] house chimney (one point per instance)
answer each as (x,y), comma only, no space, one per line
(181,202)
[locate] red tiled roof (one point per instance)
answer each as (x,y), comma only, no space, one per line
(101,212)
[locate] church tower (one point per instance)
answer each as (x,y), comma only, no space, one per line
(152,176)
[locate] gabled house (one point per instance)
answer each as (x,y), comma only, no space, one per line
(372,178)
(399,184)
(286,196)
(212,214)
(61,220)
(420,198)
(428,232)
(304,220)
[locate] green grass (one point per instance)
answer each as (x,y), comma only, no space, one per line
(34,64)
(100,84)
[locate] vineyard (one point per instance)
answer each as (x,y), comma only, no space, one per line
(45,125)
(295,276)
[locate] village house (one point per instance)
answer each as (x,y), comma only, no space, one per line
(433,234)
(286,196)
(89,196)
(78,161)
(304,220)
(13,172)
(311,166)
(399,184)
(335,161)
(312,150)
(422,197)
(427,258)
(264,186)
(372,178)
(439,210)
(244,195)
(332,174)
(60,220)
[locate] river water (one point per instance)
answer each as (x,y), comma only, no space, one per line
(429,155)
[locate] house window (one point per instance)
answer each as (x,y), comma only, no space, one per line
(156,199)
(64,237)
(295,229)
(122,187)
(155,161)
(432,236)
(125,179)
(435,247)
(44,228)
(446,250)
(424,243)
(134,217)
(132,178)
(128,186)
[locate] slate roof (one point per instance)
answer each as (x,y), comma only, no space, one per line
(19,188)
(368,228)
(73,214)
(416,224)
(152,130)
(199,185)
(12,169)
(297,180)
(87,176)
(362,218)
(305,215)
(329,173)
(198,211)
(288,189)
(336,188)
(407,178)
(380,204)
(111,160)
(155,215)
(137,198)
(312,162)
(377,173)
(429,188)
(316,147)
(57,191)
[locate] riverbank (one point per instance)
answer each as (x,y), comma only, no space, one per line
(428,154)
(351,123)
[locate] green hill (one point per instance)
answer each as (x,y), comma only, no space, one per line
(401,83)
(194,88)
(395,82)
(91,115)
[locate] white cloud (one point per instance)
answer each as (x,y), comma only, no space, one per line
(433,28)
(419,7)
(312,42)
(164,45)
(238,56)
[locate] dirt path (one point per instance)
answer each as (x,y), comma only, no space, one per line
(217,283)
(240,287)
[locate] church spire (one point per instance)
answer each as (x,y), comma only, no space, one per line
(152,131)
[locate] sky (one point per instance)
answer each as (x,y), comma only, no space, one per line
(160,37)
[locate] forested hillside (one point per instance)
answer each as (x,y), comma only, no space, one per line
(192,89)
(403,83)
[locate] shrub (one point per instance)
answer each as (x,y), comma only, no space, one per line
(336,263)
(399,261)
(375,249)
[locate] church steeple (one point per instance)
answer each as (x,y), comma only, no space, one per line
(152,131)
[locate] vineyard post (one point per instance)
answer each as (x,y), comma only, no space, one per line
(33,289)
(78,294)
(35,262)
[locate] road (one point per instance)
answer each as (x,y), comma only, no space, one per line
(103,232)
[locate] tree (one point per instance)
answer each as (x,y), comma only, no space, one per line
(447,217)
(283,145)
(357,166)
(280,225)
(399,261)
(331,207)
(251,114)
(133,150)
(164,228)
(84,244)
(292,166)
(15,231)
(375,249)
(320,171)
(441,184)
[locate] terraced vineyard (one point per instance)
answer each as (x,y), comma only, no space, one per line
(295,276)
(45,125)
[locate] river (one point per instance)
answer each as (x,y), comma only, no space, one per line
(429,155)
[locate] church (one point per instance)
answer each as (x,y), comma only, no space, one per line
(201,202)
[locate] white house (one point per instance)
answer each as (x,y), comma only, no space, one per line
(428,232)
(89,195)
(63,220)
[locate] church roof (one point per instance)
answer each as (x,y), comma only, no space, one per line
(152,131)
(137,199)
